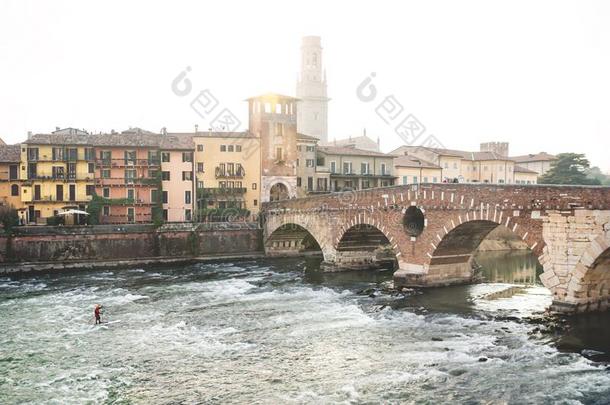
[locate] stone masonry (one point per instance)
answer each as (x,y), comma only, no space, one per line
(567,227)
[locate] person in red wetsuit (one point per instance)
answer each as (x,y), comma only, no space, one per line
(98,313)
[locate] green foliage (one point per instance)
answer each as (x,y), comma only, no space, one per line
(157,210)
(192,241)
(596,173)
(569,168)
(54,221)
(8,218)
(93,209)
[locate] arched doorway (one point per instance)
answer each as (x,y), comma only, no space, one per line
(278,192)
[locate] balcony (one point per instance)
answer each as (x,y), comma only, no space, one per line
(128,162)
(53,198)
(127,202)
(220,191)
(364,175)
(70,177)
(122,181)
(222,173)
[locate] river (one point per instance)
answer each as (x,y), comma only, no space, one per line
(280,331)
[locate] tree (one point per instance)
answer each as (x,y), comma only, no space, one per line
(569,168)
(596,173)
(8,218)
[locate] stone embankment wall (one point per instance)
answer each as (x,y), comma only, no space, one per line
(125,242)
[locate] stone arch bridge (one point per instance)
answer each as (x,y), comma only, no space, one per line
(433,230)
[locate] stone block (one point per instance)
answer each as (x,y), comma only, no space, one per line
(552,282)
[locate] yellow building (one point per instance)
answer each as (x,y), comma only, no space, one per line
(539,162)
(10,184)
(465,167)
(412,170)
(228,175)
(486,167)
(449,161)
(307,180)
(349,168)
(58,173)
(525,176)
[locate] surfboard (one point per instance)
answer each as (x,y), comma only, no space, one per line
(111,322)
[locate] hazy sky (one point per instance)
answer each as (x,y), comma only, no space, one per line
(534,73)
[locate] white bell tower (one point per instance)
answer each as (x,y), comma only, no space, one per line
(312,114)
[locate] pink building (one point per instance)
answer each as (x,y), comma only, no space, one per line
(177,174)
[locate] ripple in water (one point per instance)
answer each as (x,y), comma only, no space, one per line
(276,331)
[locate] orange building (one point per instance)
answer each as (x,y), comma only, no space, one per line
(127,176)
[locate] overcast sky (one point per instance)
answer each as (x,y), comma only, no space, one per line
(533,73)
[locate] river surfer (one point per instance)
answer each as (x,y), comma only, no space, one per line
(98,313)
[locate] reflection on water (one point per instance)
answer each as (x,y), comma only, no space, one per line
(512,267)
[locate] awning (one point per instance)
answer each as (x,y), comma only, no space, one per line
(76,212)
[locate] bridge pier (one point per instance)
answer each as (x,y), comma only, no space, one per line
(439,275)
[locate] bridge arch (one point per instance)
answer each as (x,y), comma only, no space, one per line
(589,285)
(304,225)
(365,243)
(451,252)
(291,239)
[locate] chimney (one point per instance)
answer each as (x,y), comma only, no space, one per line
(29,134)
(57,128)
(364,132)
(196,127)
(164,131)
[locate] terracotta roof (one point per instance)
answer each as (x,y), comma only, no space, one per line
(58,139)
(10,153)
(352,139)
(344,150)
(521,169)
(222,134)
(129,138)
(474,156)
(362,142)
(412,161)
(306,137)
(533,157)
(173,141)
